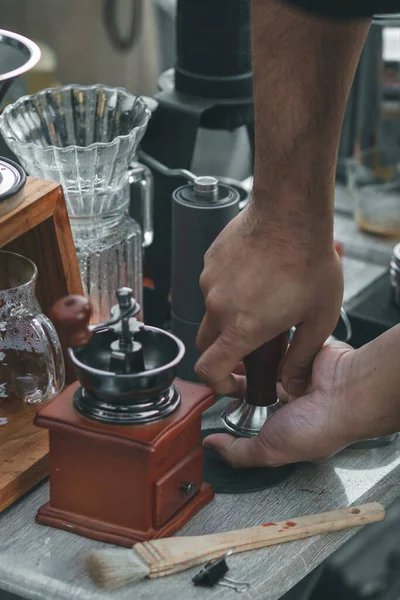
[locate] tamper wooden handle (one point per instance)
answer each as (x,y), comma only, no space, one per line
(71,317)
(262,367)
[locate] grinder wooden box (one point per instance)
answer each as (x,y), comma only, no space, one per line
(38,229)
(125,483)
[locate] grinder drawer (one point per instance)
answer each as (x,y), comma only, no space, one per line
(178,486)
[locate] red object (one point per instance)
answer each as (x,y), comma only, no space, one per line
(339,249)
(71,316)
(125,483)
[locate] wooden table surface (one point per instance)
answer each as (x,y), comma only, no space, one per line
(37,562)
(42,563)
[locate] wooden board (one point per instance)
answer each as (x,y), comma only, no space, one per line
(40,230)
(23,451)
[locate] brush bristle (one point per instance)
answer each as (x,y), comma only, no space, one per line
(114,568)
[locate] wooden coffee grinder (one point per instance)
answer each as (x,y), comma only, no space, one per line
(126,462)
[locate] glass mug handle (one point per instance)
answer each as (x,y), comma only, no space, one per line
(48,337)
(141,184)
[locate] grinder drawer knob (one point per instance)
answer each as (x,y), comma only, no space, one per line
(71,316)
(188,488)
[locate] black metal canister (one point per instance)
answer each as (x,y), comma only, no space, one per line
(200,211)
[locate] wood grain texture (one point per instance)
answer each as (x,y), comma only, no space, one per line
(37,206)
(41,562)
(122,483)
(172,555)
(38,229)
(24,451)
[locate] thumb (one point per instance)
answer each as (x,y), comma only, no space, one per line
(297,364)
(241,452)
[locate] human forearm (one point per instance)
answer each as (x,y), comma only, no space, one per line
(274,266)
(303,69)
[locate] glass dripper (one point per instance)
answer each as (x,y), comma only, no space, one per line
(85,138)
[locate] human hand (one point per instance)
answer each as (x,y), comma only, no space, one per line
(309,428)
(257,284)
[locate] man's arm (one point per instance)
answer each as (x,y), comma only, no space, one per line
(347,9)
(274,266)
(303,70)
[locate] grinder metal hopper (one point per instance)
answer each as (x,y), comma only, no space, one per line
(125,368)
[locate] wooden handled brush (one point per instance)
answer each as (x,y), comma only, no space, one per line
(116,567)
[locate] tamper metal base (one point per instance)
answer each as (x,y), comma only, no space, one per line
(243,420)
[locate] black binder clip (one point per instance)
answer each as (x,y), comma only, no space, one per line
(213,573)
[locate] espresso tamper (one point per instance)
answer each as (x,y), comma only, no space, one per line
(245,418)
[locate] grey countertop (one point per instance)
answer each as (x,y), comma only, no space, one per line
(38,562)
(48,564)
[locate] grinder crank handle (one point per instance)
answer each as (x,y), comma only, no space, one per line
(71,317)
(262,367)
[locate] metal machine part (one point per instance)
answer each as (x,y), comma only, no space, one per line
(12,181)
(213,48)
(126,353)
(163,169)
(243,188)
(214,573)
(127,307)
(244,420)
(210,89)
(141,200)
(200,211)
(18,55)
(126,370)
(148,411)
(395,276)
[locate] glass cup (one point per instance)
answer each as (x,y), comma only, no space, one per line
(85,138)
(31,359)
(374,182)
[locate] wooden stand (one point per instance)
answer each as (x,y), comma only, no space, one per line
(125,483)
(38,229)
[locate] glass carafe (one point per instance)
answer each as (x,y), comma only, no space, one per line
(31,360)
(85,138)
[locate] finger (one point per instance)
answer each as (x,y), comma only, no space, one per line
(282,393)
(240,369)
(297,364)
(239,452)
(207,334)
(239,389)
(215,366)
